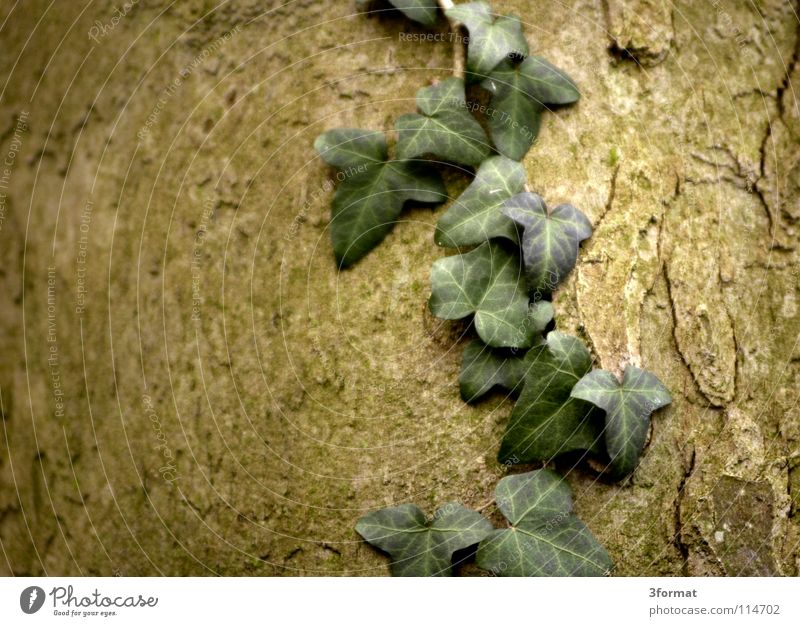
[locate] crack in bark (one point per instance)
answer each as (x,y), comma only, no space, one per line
(762,174)
(674,314)
(793,60)
(612,192)
(582,330)
(737,352)
(648,53)
(682,547)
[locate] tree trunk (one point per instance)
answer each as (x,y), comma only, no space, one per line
(188,384)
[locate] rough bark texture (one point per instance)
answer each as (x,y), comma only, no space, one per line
(232,404)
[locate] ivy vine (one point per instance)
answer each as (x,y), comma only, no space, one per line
(521,251)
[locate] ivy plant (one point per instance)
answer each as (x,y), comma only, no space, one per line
(423,11)
(550,239)
(370,198)
(419,546)
(628,407)
(475,216)
(510,253)
(489,283)
(547,421)
(520,93)
(443,128)
(484,367)
(491,38)
(545,538)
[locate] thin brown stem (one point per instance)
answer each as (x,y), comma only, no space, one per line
(485,505)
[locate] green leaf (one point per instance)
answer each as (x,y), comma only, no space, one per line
(550,239)
(546,538)
(423,11)
(490,40)
(445,128)
(372,190)
(483,367)
(475,215)
(421,547)
(628,408)
(514,123)
(520,93)
(489,282)
(351,147)
(546,421)
(535,78)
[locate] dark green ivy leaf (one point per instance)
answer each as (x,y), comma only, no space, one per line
(445,128)
(628,408)
(421,547)
(546,421)
(550,239)
(372,190)
(514,123)
(546,538)
(483,367)
(519,95)
(489,282)
(490,40)
(475,215)
(423,11)
(535,78)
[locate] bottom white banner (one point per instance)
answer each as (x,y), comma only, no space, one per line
(401,600)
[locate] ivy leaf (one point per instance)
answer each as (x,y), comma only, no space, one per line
(490,40)
(514,123)
(546,538)
(520,93)
(535,78)
(423,11)
(483,367)
(372,190)
(628,408)
(550,239)
(489,282)
(445,128)
(546,421)
(475,215)
(421,547)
